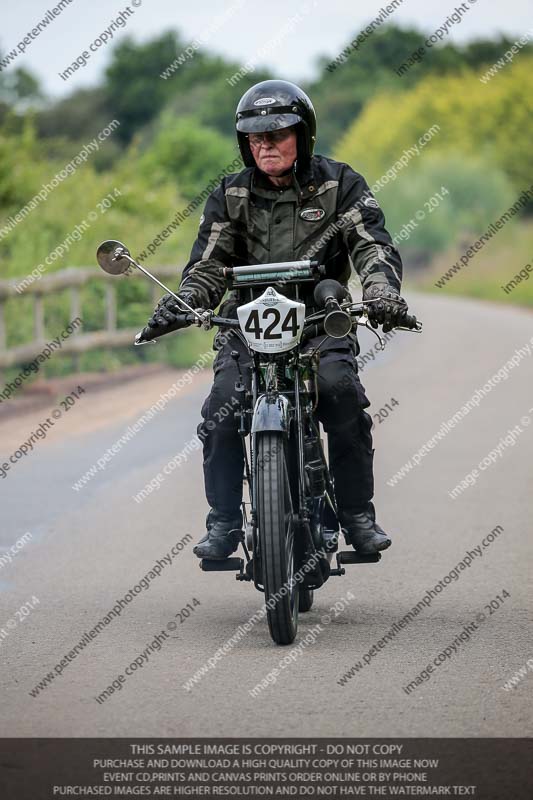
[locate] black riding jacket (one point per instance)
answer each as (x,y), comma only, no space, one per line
(328,214)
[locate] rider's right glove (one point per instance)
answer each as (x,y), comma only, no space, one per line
(167,317)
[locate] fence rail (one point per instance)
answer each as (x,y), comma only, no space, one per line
(72,280)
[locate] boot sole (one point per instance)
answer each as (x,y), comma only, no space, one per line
(384,546)
(212,557)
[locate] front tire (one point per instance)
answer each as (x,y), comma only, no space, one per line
(276,537)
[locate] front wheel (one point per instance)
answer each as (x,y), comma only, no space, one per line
(276,537)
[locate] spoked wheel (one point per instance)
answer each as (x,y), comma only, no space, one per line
(276,536)
(305,599)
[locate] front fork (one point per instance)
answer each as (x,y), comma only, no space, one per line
(315,489)
(311,486)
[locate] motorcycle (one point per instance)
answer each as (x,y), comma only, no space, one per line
(290,519)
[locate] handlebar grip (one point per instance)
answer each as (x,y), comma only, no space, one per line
(410,321)
(148,334)
(143,337)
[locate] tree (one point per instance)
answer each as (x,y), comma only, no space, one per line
(189,154)
(79,116)
(489,121)
(342,91)
(135,91)
(20,89)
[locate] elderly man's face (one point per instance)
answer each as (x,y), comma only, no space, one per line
(274,152)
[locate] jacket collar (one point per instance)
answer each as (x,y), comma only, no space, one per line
(303,188)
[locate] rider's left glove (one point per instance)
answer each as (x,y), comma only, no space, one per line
(389,309)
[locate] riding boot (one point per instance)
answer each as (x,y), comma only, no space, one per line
(223,535)
(362,531)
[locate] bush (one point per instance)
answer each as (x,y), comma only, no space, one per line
(490,121)
(74,216)
(472,195)
(185,151)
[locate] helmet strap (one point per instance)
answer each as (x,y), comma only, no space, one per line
(296,183)
(288,171)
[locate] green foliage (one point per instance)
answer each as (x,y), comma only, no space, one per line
(490,121)
(19,86)
(17,174)
(187,152)
(181,349)
(78,118)
(135,92)
(210,98)
(177,134)
(490,271)
(74,216)
(340,93)
(473,195)
(143,207)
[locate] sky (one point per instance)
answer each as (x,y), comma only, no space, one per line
(292,34)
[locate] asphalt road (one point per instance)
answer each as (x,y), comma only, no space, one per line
(90,547)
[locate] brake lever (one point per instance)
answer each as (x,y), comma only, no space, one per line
(139,340)
(418,328)
(369,327)
(364,316)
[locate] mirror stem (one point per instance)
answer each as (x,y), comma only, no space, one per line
(162,285)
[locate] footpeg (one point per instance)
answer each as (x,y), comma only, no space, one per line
(353,557)
(222,565)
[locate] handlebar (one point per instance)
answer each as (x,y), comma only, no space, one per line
(312,322)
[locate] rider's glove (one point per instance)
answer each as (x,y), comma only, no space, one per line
(167,317)
(389,309)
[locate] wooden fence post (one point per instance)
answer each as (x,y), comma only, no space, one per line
(110,307)
(38,319)
(71,279)
(75,312)
(75,306)
(2,327)
(3,344)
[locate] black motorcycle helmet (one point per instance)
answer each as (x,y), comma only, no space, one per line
(271,106)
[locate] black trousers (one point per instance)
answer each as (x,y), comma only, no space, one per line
(340,409)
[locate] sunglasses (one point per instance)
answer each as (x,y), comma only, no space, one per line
(257,139)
